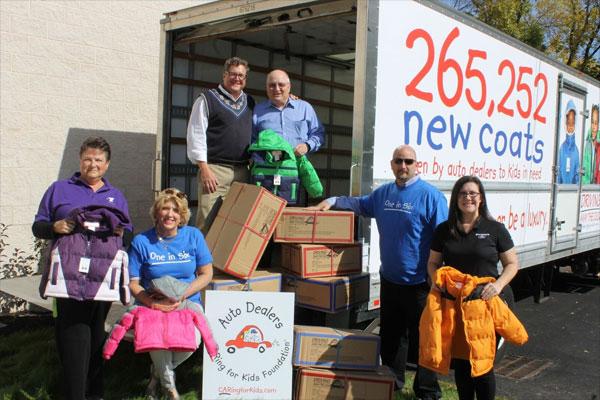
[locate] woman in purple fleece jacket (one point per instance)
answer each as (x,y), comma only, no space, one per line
(79,324)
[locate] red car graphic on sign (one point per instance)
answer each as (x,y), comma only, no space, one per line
(249,336)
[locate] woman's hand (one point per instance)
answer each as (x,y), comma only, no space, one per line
(490,290)
(165,305)
(63,226)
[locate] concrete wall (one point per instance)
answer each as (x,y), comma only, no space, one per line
(71,69)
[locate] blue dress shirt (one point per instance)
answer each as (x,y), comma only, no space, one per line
(297,122)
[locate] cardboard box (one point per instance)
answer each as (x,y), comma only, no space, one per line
(324,347)
(298,225)
(316,260)
(313,383)
(260,281)
(242,228)
(330,294)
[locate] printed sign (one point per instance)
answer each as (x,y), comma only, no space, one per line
(254,331)
(469,104)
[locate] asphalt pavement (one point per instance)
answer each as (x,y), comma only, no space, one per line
(561,361)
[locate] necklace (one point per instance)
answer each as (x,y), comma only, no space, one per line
(164,241)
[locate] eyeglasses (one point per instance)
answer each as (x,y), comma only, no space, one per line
(175,192)
(275,85)
(407,161)
(471,195)
(235,75)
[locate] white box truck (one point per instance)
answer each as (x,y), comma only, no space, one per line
(468,98)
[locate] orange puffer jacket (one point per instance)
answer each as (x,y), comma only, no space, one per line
(457,323)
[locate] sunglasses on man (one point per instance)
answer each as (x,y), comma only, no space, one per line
(407,161)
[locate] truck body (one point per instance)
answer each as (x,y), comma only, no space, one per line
(470,99)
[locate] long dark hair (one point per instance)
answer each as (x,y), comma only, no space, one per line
(454,213)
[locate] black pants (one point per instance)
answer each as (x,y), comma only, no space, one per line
(483,386)
(80,336)
(401,308)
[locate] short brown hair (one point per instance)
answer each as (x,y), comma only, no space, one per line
(95,142)
(235,61)
(176,197)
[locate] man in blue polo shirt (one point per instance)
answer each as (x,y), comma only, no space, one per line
(294,119)
(407,212)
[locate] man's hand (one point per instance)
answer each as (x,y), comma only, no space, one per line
(63,226)
(208,179)
(301,150)
(322,206)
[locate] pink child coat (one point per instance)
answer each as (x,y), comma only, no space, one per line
(157,330)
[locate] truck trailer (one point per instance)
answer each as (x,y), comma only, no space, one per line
(382,73)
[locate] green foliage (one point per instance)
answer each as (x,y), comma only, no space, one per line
(573,32)
(18,263)
(31,369)
(513,17)
(567,30)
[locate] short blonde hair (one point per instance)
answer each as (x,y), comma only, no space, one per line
(176,197)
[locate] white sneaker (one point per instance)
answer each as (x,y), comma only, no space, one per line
(171,394)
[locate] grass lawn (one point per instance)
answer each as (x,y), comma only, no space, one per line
(30,370)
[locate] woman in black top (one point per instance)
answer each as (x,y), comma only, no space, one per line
(472,242)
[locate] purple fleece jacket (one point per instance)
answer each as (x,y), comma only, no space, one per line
(107,277)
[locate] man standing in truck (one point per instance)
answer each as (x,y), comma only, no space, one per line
(218,136)
(407,212)
(294,119)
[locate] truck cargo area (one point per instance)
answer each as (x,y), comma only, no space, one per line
(314,43)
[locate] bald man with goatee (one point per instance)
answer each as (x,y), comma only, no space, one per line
(407,212)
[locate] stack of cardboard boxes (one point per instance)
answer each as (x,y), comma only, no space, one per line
(322,265)
(322,261)
(337,364)
(238,237)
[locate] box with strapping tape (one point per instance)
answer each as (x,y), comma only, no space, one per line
(299,225)
(316,383)
(242,228)
(320,260)
(330,294)
(260,281)
(325,347)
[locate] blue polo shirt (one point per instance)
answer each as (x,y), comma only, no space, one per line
(297,122)
(65,195)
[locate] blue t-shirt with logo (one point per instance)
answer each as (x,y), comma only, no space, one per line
(406,216)
(178,256)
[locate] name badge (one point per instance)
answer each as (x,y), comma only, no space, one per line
(84,265)
(92,226)
(276,180)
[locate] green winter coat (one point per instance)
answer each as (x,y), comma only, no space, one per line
(589,158)
(268,141)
